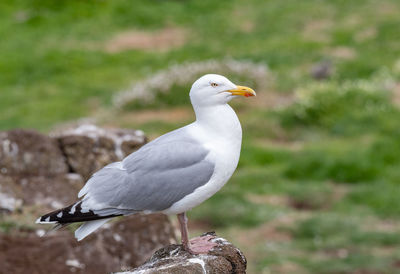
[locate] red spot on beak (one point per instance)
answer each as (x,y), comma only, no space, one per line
(247,94)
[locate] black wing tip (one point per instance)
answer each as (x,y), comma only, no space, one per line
(70,214)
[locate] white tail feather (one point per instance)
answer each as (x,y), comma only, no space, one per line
(89,227)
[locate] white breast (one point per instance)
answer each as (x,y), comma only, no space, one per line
(222,137)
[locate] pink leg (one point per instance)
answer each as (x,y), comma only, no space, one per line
(184,231)
(198,245)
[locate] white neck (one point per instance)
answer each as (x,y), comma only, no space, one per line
(220,121)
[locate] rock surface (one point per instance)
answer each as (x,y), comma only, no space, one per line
(27,153)
(223,258)
(125,243)
(88,148)
(45,192)
(36,169)
(41,173)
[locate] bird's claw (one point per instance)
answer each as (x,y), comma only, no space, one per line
(200,245)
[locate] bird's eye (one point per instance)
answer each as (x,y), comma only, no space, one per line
(214,85)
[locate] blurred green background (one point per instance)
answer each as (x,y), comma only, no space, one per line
(317,187)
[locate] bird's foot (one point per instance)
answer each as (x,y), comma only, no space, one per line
(201,245)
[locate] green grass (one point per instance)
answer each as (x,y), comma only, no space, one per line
(330,157)
(49,75)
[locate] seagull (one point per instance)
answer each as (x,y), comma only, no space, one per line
(171,174)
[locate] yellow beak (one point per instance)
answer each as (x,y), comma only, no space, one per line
(243,91)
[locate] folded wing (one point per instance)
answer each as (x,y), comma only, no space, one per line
(151,179)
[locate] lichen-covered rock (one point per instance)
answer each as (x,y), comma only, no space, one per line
(27,153)
(172,259)
(88,148)
(8,202)
(39,174)
(47,192)
(125,243)
(36,169)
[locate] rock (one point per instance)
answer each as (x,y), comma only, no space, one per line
(48,193)
(27,153)
(40,174)
(36,169)
(33,171)
(88,148)
(322,70)
(86,155)
(223,258)
(9,203)
(124,243)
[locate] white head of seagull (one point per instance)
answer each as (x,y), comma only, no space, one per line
(210,95)
(214,89)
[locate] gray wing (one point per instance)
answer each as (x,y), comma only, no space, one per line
(152,178)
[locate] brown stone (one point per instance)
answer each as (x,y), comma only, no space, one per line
(224,258)
(26,153)
(86,155)
(35,170)
(48,193)
(123,244)
(89,148)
